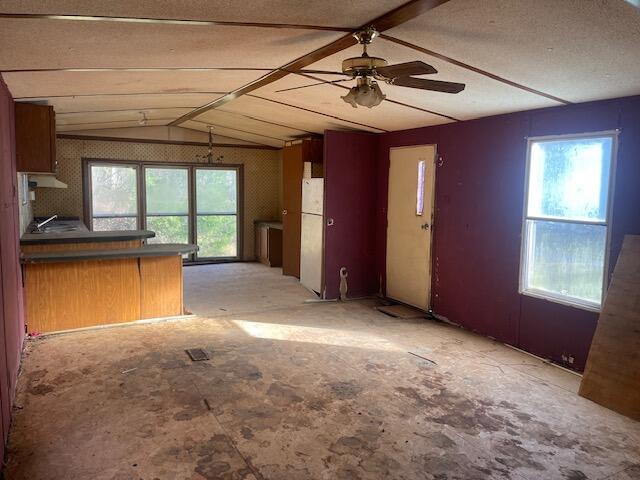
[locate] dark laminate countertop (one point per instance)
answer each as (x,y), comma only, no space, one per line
(83,235)
(153,250)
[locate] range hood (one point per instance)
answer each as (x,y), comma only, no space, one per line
(47,181)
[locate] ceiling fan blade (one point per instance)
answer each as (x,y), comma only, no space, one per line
(424,84)
(406,69)
(313,85)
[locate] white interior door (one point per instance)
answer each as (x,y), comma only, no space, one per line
(409,218)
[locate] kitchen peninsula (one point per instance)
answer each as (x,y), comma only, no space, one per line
(77,278)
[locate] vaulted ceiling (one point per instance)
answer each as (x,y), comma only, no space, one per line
(228,64)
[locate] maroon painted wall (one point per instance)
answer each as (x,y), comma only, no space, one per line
(11,308)
(350,178)
(478,220)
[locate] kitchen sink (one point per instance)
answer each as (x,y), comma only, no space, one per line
(57,227)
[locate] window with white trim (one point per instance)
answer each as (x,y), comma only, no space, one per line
(566,218)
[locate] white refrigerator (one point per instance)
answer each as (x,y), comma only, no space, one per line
(311,234)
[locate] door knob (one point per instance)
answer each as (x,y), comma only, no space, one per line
(424,226)
(284,212)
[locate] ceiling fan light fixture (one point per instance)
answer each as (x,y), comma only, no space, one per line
(366,94)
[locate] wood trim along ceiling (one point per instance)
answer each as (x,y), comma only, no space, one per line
(473,69)
(113,121)
(238,130)
(171,21)
(137,69)
(317,113)
(99,138)
(141,109)
(145,109)
(344,87)
(389,20)
(45,97)
(257,144)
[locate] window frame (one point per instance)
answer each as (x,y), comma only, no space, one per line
(237,214)
(140,166)
(523,267)
(88,193)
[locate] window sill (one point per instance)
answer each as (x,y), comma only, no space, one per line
(568,303)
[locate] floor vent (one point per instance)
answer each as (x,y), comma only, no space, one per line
(197,354)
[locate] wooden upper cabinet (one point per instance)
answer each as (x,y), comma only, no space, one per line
(35,138)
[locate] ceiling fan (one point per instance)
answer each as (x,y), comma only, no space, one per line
(366,70)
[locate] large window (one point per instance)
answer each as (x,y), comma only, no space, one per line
(114,197)
(566,218)
(180,203)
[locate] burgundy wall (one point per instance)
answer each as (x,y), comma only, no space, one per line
(350,177)
(11,311)
(478,220)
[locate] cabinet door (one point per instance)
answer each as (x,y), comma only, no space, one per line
(292,168)
(35,138)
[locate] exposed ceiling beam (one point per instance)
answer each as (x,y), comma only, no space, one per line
(317,113)
(116,110)
(251,117)
(169,21)
(148,109)
(209,124)
(76,136)
(134,120)
(458,63)
(389,20)
(46,97)
(137,69)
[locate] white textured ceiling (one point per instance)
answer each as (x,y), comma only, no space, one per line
(37,43)
(336,13)
(576,50)
(46,84)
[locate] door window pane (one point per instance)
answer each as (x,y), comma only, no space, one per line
(114,197)
(566,259)
(167,190)
(216,212)
(167,202)
(216,191)
(217,236)
(169,229)
(570,178)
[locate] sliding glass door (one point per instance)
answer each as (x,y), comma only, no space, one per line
(167,203)
(181,203)
(217,212)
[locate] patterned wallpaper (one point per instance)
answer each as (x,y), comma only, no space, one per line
(262,176)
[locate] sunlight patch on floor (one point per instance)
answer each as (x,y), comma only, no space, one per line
(321,336)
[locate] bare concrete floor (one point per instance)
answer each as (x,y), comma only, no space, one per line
(306,391)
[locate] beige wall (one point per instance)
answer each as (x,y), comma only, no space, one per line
(262,176)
